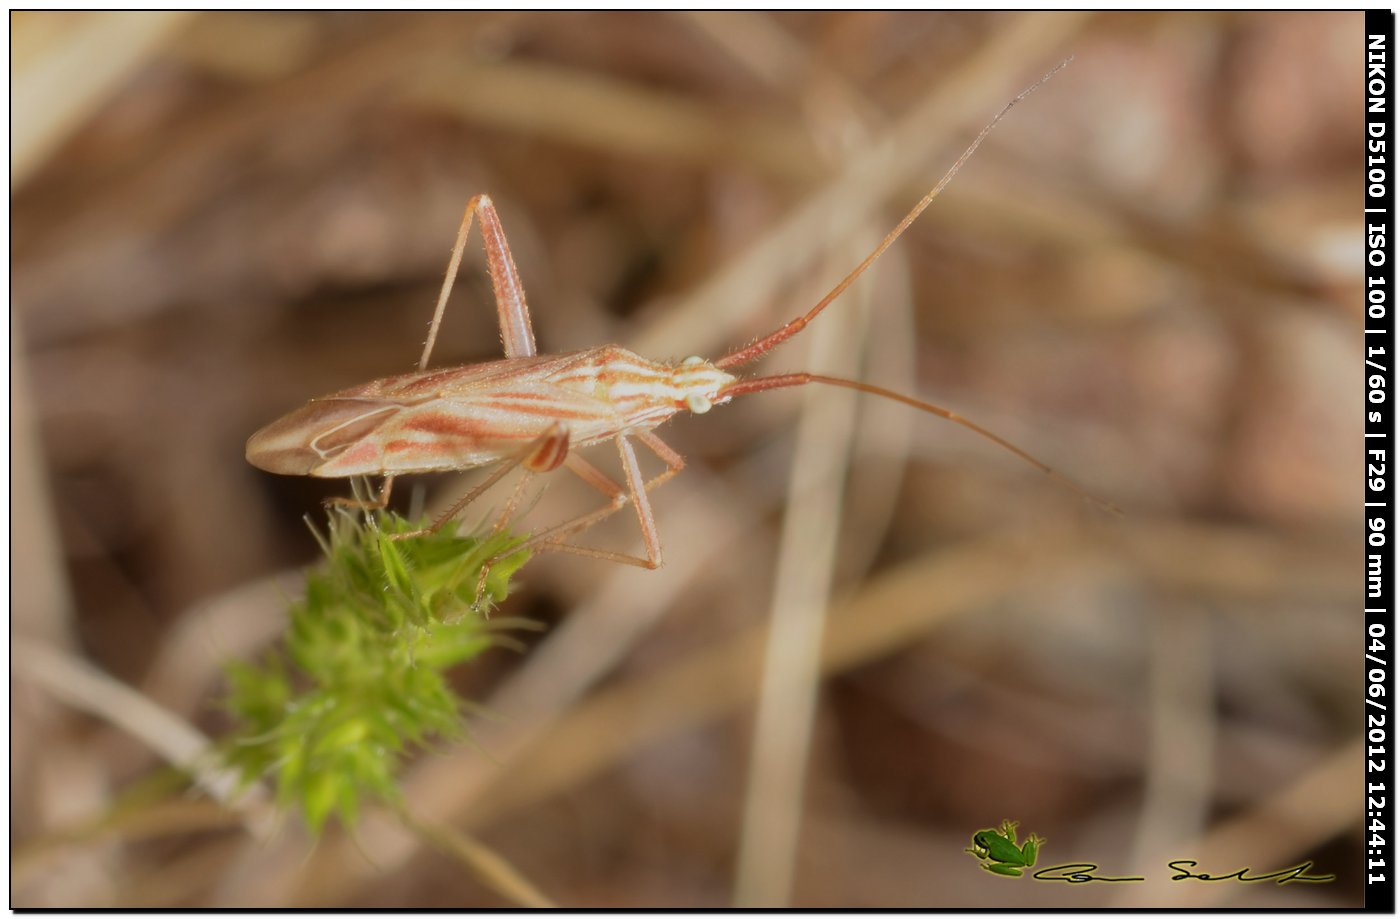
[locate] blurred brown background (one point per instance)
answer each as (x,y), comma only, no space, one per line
(1149,276)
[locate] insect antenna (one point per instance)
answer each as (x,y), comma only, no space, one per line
(762,346)
(781,381)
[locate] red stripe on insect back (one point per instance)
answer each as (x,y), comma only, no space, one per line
(421,447)
(528,396)
(413,384)
(612,373)
(629,365)
(444,424)
(364,453)
(640,402)
(622,382)
(562,411)
(429,448)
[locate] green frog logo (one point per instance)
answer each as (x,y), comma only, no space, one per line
(999,853)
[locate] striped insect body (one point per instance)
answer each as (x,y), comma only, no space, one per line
(481,414)
(535,412)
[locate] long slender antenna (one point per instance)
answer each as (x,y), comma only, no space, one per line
(765,344)
(780,381)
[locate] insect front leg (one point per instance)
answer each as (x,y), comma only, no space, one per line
(517,335)
(377,504)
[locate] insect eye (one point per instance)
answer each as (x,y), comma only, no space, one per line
(698,403)
(692,361)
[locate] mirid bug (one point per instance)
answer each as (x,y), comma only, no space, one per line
(535,411)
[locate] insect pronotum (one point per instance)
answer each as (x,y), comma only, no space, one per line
(535,410)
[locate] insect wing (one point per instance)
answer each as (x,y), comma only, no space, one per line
(302,442)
